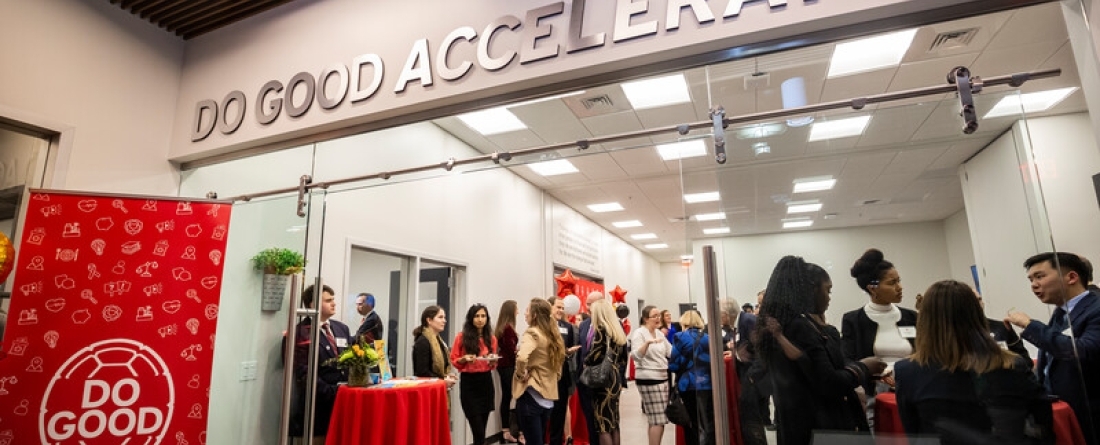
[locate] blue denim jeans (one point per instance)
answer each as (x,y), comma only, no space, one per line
(532,419)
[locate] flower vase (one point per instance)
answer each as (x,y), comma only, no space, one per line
(358,377)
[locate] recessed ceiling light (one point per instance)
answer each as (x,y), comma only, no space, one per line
(815,184)
(641,236)
(605,207)
(870,54)
(693,198)
(656,246)
(555,167)
(657,92)
(1031,102)
(710,216)
(797,223)
(683,149)
(803,207)
(716,230)
(839,128)
(627,224)
(761,148)
(492,121)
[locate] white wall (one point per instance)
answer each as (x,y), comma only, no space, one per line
(918,250)
(960,249)
(105,78)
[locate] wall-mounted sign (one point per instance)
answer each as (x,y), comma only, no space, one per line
(343,83)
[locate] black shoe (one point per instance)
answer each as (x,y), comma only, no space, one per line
(569,440)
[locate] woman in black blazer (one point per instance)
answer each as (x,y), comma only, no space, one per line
(862,327)
(430,353)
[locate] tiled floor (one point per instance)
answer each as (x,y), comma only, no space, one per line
(634,425)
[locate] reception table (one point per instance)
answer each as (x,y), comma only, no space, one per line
(412,414)
(888,421)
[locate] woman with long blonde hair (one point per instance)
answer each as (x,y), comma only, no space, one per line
(538,368)
(608,339)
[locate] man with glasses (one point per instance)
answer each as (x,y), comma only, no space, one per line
(372,323)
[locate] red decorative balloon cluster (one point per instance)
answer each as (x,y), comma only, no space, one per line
(567,283)
(7,257)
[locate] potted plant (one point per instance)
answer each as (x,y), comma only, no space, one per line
(358,360)
(277,264)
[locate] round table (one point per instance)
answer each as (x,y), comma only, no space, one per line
(413,414)
(1066,429)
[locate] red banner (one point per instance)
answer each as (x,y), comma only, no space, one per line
(110,334)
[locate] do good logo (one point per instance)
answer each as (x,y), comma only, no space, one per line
(108,392)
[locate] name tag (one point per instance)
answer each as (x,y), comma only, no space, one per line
(563,331)
(341,342)
(1003,345)
(908,331)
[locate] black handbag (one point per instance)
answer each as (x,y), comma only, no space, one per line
(602,374)
(676,412)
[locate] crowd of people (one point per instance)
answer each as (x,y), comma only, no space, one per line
(957,374)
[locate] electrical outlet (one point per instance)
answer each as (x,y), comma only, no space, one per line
(248,370)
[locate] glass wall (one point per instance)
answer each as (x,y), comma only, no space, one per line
(901,177)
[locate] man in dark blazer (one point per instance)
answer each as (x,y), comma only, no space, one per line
(333,338)
(372,323)
(1069,345)
(565,383)
(584,335)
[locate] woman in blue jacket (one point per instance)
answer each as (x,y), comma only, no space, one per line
(691,363)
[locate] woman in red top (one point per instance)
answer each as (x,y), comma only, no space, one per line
(507,340)
(475,355)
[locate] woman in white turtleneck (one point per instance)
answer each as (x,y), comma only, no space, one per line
(880,328)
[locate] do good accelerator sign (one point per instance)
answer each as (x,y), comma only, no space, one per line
(110,334)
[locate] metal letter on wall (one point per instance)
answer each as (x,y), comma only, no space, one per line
(357,70)
(483,58)
(201,131)
(300,78)
(267,112)
(224,125)
(530,52)
(577,42)
(445,72)
(323,100)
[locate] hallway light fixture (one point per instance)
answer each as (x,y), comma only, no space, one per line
(657,92)
(814,184)
(492,121)
(656,246)
(710,216)
(605,207)
(803,206)
(870,54)
(797,223)
(552,168)
(761,148)
(716,231)
(1030,102)
(692,198)
(627,224)
(642,236)
(839,128)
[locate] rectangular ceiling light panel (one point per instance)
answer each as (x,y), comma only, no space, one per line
(492,121)
(716,231)
(839,128)
(797,223)
(656,246)
(803,207)
(641,236)
(627,224)
(870,54)
(683,149)
(710,216)
(551,168)
(1028,102)
(657,92)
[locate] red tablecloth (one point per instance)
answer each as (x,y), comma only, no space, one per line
(413,415)
(733,392)
(1066,429)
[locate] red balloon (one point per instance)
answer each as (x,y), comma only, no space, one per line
(618,294)
(566,283)
(7,257)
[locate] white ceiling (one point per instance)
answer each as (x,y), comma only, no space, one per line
(901,169)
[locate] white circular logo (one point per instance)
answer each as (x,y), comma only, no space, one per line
(107,391)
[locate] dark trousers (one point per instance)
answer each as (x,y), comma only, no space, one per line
(532,419)
(557,414)
(700,407)
(506,396)
(478,421)
(585,395)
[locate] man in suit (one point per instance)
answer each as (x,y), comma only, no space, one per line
(372,323)
(583,392)
(1069,346)
(565,382)
(333,338)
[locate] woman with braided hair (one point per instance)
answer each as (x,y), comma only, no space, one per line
(814,383)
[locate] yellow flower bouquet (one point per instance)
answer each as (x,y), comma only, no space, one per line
(358,360)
